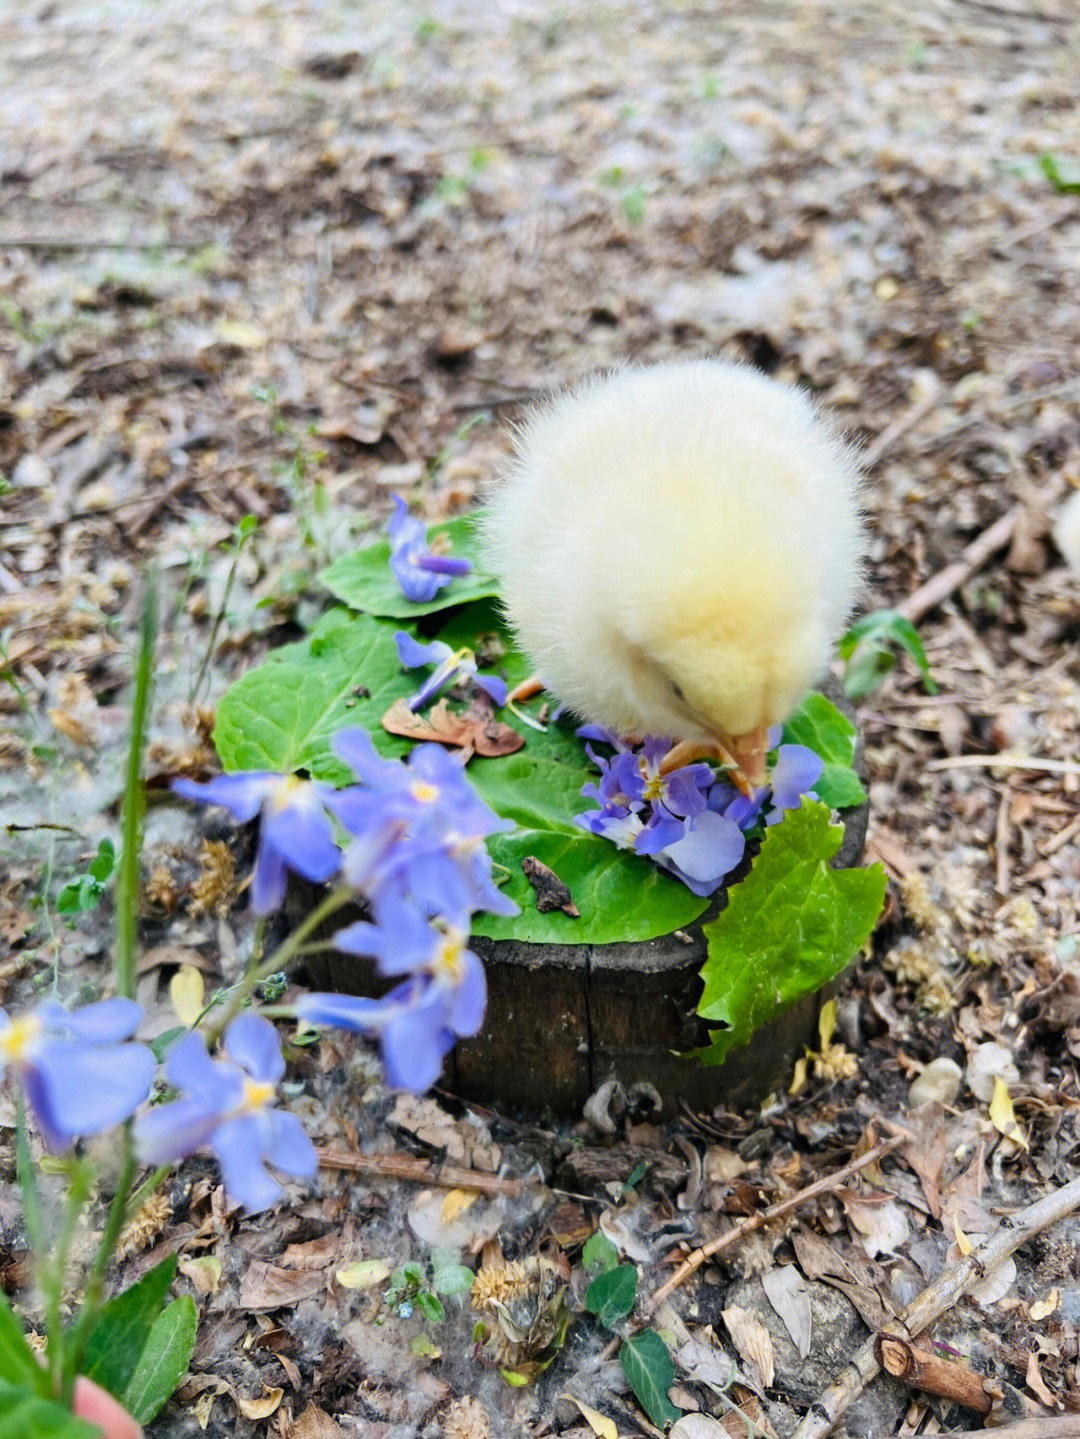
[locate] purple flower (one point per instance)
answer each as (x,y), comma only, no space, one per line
(420,573)
(228,1107)
(418,1021)
(683,792)
(795,773)
(614,822)
(296,831)
(77,1074)
(450,667)
(699,850)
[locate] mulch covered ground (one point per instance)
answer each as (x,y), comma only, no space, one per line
(284,260)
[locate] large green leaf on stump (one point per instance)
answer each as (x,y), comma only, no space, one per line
(789,927)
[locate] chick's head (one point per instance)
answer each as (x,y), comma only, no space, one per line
(678,548)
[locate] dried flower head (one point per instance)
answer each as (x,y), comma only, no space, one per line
(215,889)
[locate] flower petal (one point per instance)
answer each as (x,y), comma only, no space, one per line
(173,1131)
(269,880)
(241,794)
(252,1042)
(238,1146)
(85,1090)
(106,1022)
(288,1146)
(215,1085)
(301,833)
(413,654)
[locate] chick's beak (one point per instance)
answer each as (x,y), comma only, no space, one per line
(744,757)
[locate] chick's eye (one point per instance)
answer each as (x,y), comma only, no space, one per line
(676,690)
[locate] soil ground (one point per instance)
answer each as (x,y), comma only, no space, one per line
(283,259)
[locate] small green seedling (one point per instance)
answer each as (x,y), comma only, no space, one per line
(409,1288)
(868,650)
(644,1356)
(85,892)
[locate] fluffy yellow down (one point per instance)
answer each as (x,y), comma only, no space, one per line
(678,548)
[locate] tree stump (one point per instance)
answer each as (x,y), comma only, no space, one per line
(563,1019)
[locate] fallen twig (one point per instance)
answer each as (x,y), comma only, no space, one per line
(920,1369)
(419,1171)
(1006,761)
(940,586)
(756,1221)
(1056,1426)
(1016,1229)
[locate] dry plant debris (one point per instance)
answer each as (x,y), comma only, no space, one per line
(284,261)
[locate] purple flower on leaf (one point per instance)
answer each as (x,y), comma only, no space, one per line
(78,1074)
(296,831)
(227,1105)
(418,1022)
(450,667)
(700,850)
(795,773)
(420,573)
(614,822)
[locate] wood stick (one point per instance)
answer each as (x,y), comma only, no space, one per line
(775,1211)
(940,586)
(921,1369)
(419,1171)
(1057,1426)
(1016,1229)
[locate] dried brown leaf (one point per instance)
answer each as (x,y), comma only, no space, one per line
(474,729)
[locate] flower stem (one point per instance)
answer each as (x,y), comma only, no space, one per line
(286,954)
(80,1330)
(127,879)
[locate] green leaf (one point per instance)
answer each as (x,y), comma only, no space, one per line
(867,648)
(1064,184)
(365,580)
(104,862)
(612,1295)
(650,1371)
(789,927)
(282,715)
(163,1361)
(621,896)
(448,1274)
(599,1253)
(636,1175)
(116,1342)
(17,1362)
(25,1414)
(820,726)
(430,1306)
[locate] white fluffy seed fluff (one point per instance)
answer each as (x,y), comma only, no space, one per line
(678,547)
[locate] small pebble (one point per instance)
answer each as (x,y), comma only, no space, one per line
(940,1080)
(988,1060)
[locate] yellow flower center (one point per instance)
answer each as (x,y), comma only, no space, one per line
(257,1095)
(286,792)
(654,788)
(448,956)
(17,1039)
(426,793)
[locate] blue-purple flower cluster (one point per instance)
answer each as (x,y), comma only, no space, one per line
(412,845)
(690,822)
(81,1074)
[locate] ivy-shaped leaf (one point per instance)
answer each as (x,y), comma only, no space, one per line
(789,927)
(650,1371)
(365,580)
(612,1294)
(820,726)
(281,715)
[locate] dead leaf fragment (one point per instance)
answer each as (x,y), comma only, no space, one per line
(187,993)
(315,1423)
(599,1423)
(267,1286)
(551,892)
(1043,1308)
(786,1291)
(753,1342)
(474,729)
(1002,1115)
(262,1407)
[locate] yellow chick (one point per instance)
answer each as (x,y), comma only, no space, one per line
(678,549)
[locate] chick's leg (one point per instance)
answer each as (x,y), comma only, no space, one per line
(744,757)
